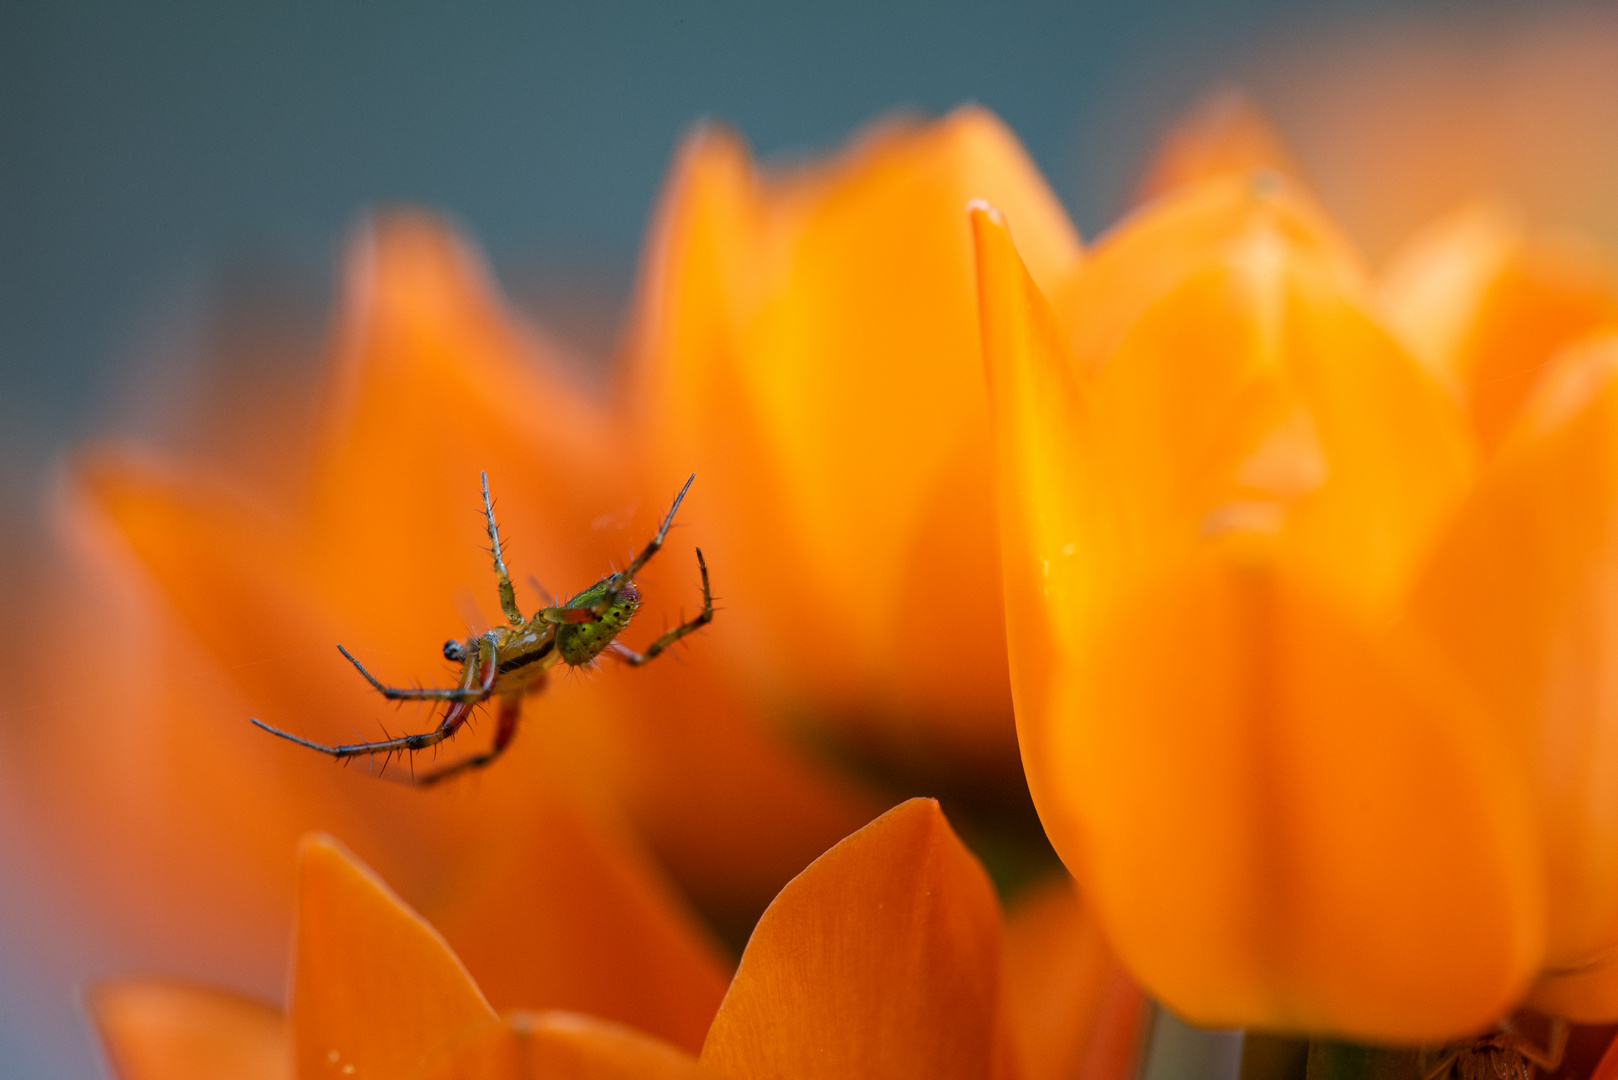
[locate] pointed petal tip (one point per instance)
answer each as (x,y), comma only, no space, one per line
(984,209)
(881,958)
(371,977)
(417,259)
(1225,133)
(707,145)
(161,1028)
(317,843)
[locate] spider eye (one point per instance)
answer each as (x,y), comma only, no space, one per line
(454,650)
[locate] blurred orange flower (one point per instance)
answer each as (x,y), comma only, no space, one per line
(225,584)
(807,342)
(221,593)
(883,958)
(1310,605)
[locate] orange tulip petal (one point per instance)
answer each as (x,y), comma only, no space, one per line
(1522,595)
(1487,306)
(207,547)
(560,1046)
(1045,490)
(807,344)
(157,1030)
(733,809)
(435,381)
(374,986)
(1434,284)
(560,917)
(1222,819)
(1303,828)
(1133,264)
(1239,381)
(1224,134)
(1073,1010)
(1555,291)
(881,959)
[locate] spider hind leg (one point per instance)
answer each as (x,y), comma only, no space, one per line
(505,731)
(461,702)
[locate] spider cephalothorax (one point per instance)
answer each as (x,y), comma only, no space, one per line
(508,662)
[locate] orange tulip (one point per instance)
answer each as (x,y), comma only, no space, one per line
(883,958)
(1309,602)
(807,342)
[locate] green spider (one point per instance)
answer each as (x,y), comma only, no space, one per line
(511,662)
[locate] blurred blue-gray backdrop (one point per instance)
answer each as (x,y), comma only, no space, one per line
(159,161)
(158,154)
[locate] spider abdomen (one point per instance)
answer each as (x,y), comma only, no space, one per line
(580,643)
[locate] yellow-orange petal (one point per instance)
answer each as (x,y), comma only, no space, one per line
(1487,306)
(732,808)
(435,380)
(1432,286)
(1239,381)
(1046,493)
(1522,596)
(1224,134)
(1556,290)
(563,915)
(1073,1011)
(373,985)
(160,1030)
(560,1046)
(1141,257)
(807,344)
(1282,816)
(881,959)
(1303,827)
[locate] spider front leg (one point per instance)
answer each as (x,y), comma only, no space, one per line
(505,731)
(461,701)
(635,659)
(508,595)
(652,546)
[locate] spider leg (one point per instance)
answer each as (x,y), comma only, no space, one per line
(510,713)
(1549,1057)
(508,595)
(635,659)
(460,709)
(465,692)
(656,542)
